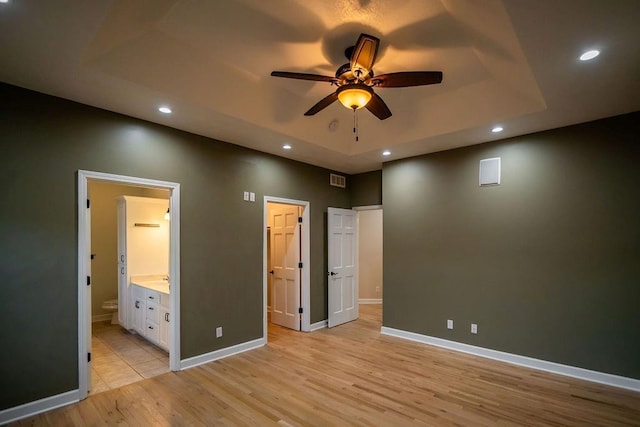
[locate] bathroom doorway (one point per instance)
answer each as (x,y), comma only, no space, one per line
(135,354)
(120,357)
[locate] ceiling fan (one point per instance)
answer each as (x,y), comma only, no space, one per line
(356,80)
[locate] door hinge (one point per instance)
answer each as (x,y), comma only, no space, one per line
(300,310)
(300,219)
(88,280)
(88,357)
(88,203)
(299,265)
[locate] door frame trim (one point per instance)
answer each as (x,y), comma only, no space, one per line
(305,287)
(83,260)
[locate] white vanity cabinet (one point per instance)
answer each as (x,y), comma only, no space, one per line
(123,276)
(164,320)
(138,309)
(143,246)
(150,314)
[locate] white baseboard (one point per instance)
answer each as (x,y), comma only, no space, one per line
(514,359)
(222,353)
(101,317)
(38,406)
(370,301)
(318,325)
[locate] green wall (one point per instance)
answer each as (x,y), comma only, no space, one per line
(547,263)
(366,188)
(45,140)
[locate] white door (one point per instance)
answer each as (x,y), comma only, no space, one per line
(285,272)
(88,296)
(343,279)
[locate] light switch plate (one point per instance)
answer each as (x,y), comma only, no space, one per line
(474,328)
(246,196)
(252,197)
(218,331)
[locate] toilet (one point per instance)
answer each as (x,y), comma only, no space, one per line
(112,304)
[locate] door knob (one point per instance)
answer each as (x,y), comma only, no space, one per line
(271,272)
(333,274)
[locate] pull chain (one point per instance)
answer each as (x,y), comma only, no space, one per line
(355,123)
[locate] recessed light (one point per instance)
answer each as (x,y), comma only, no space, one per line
(497,129)
(286,147)
(386,153)
(590,54)
(165,110)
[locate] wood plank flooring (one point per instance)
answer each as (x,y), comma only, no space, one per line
(351,375)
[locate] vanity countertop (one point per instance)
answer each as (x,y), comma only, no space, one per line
(155,283)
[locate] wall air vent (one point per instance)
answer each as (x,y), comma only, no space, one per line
(338,180)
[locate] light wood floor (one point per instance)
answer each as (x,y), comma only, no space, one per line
(351,375)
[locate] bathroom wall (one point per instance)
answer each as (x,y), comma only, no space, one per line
(104,238)
(370,254)
(147,246)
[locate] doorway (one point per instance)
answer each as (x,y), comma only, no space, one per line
(119,357)
(286,264)
(369,220)
(84,268)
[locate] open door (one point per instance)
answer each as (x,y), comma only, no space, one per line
(285,270)
(343,279)
(87,301)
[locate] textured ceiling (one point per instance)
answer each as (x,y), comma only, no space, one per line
(512,63)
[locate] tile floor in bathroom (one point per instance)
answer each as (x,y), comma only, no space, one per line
(120,358)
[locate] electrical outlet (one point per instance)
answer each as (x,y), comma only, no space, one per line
(474,328)
(378,289)
(218,331)
(449,324)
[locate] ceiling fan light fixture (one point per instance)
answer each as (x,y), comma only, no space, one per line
(354,96)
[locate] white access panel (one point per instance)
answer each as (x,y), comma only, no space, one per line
(490,171)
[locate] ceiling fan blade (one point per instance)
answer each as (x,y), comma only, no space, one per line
(377,106)
(303,76)
(364,54)
(407,79)
(322,104)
